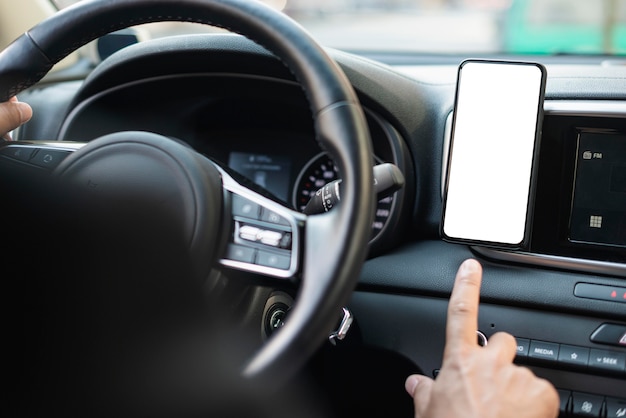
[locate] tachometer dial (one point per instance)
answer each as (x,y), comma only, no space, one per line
(321,170)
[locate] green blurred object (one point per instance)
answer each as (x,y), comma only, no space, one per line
(565,27)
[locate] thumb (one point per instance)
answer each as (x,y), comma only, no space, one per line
(419,387)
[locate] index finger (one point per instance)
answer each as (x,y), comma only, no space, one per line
(12,114)
(462,320)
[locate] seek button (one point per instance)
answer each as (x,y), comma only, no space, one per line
(610,361)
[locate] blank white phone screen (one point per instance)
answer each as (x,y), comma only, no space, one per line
(497,109)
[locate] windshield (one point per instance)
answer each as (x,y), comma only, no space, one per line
(453,26)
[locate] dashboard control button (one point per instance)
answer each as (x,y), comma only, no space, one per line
(523,345)
(541,350)
(246,208)
(612,334)
(586,405)
(615,407)
(573,355)
(240,253)
(607,361)
(601,292)
(564,397)
(269,259)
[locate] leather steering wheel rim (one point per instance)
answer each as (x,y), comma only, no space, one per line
(335,244)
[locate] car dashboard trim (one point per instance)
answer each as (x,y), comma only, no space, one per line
(544,260)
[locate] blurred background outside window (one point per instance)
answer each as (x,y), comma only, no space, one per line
(454,26)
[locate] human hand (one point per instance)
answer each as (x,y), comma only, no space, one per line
(13,113)
(475,381)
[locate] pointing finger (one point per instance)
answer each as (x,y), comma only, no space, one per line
(462,320)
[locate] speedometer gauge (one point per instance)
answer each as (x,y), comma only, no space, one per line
(321,170)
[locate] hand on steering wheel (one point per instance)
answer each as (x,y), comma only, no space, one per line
(205,197)
(12,115)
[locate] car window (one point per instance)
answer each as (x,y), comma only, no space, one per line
(454,26)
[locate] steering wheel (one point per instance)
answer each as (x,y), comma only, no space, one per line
(225,224)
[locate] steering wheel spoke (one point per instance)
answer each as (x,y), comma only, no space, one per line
(264,237)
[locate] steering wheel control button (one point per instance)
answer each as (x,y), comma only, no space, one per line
(49,159)
(272,238)
(240,253)
(270,259)
(249,233)
(600,292)
(18,152)
(543,351)
(270,216)
(245,208)
(268,237)
(586,405)
(262,239)
(611,334)
(574,356)
(609,361)
(255,234)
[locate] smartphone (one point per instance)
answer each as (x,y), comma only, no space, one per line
(493,151)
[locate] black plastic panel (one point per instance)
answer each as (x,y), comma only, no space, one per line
(415,327)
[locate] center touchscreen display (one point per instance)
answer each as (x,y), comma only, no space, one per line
(598,212)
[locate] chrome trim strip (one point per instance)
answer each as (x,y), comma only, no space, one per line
(576,264)
(60,145)
(482,339)
(344,327)
(595,108)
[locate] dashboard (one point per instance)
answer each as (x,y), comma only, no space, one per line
(563,297)
(579,203)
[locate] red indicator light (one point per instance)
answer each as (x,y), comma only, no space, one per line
(614,294)
(624,295)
